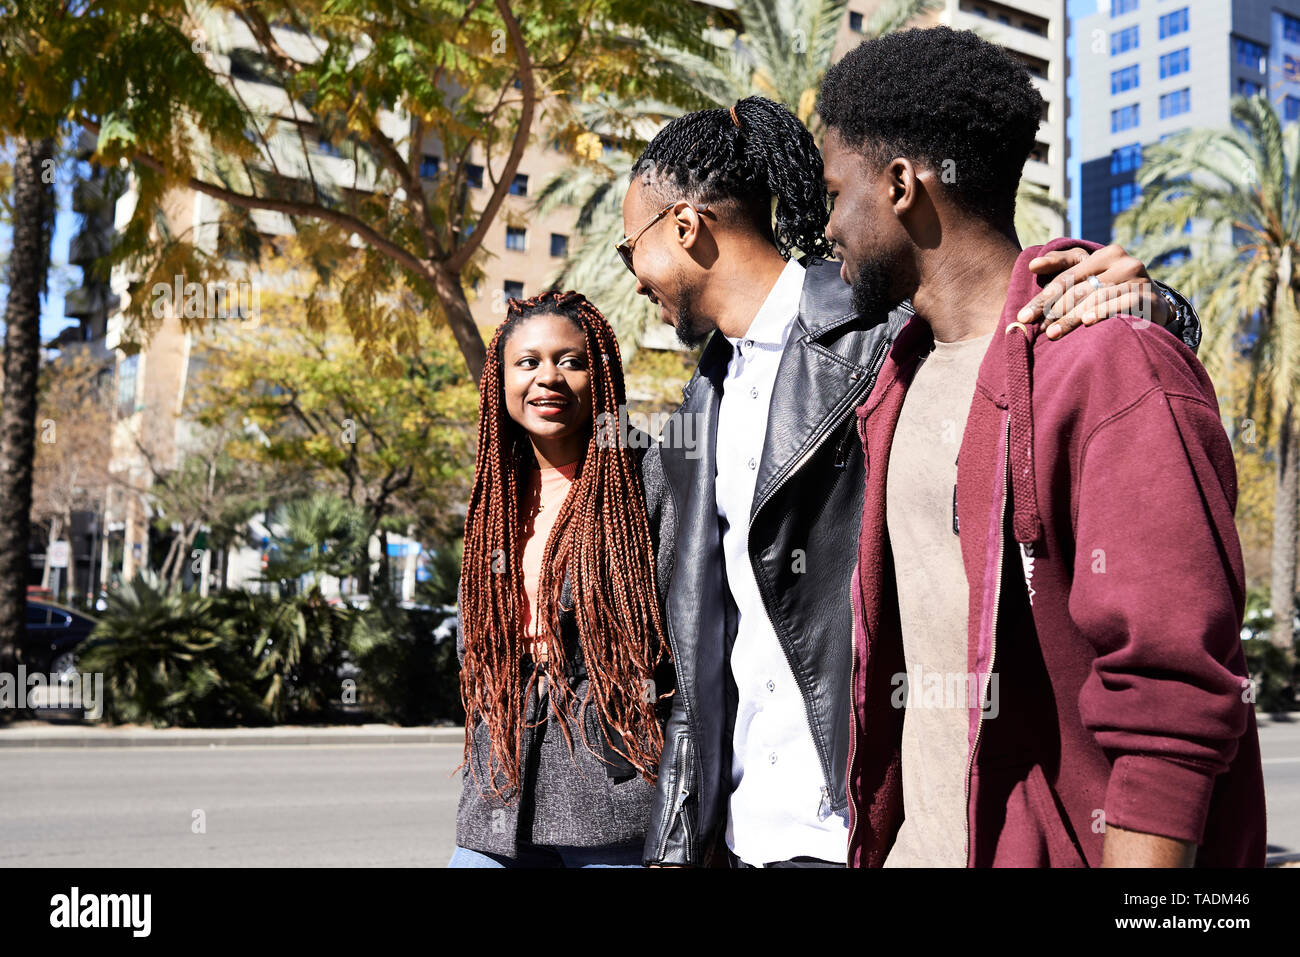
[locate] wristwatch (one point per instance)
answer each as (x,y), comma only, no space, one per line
(1186,325)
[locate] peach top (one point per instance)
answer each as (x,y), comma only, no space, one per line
(547,490)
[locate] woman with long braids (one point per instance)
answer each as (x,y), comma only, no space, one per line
(563,662)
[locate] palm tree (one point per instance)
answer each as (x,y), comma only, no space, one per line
(33,216)
(325,535)
(1240,186)
(1038,214)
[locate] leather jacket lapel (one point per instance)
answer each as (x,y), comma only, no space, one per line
(800,417)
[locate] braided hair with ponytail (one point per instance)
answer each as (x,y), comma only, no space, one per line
(748,154)
(601,538)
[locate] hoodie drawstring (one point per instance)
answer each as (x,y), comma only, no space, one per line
(1025,521)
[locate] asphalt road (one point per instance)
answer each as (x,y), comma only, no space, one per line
(321,805)
(275,806)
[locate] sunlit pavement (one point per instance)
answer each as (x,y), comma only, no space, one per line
(325,804)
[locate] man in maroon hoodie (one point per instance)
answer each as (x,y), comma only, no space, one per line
(1047,667)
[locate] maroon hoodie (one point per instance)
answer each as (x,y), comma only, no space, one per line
(1095,498)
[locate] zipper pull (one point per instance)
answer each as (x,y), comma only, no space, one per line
(824,805)
(682,795)
(842,453)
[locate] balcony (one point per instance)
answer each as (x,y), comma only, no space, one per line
(87,301)
(89,196)
(89,245)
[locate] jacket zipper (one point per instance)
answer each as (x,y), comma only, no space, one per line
(871,377)
(853,690)
(673,811)
(853,721)
(993,637)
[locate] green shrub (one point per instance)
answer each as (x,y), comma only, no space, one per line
(170,658)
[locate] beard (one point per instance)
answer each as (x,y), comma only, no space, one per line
(873,285)
(691,328)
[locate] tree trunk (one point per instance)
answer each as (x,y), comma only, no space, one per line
(456,308)
(382,573)
(32,207)
(1286,532)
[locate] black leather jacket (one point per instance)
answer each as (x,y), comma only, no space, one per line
(802,543)
(802,539)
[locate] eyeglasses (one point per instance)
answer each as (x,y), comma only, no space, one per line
(624,246)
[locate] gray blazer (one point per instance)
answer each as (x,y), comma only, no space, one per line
(578,799)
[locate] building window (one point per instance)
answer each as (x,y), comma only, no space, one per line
(1291,28)
(1172,104)
(1121,41)
(126,384)
(512,289)
(1247,87)
(855,22)
(1122,197)
(1126,158)
(1125,118)
(559,245)
(1120,7)
(1291,68)
(429,167)
(519,185)
(474,175)
(1249,54)
(1172,24)
(515,238)
(1125,79)
(1291,108)
(1172,64)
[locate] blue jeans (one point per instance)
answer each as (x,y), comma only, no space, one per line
(533,855)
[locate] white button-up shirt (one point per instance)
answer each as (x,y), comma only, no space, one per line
(776,809)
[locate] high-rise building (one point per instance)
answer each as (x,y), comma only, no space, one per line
(1147,69)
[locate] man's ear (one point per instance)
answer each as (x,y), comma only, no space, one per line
(686,224)
(903,184)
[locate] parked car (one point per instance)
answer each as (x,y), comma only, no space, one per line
(52,637)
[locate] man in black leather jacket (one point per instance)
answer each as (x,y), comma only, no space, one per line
(713,266)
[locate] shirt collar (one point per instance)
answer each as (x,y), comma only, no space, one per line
(769,325)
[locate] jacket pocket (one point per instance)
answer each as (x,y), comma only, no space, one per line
(1034,830)
(678,825)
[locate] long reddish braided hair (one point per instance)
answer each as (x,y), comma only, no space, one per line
(601,536)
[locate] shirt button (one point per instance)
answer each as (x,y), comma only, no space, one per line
(753,392)
(771,758)
(749,343)
(771,685)
(753,464)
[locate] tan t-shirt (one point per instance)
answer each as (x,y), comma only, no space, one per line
(932,596)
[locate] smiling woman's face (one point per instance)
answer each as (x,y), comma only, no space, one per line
(547,382)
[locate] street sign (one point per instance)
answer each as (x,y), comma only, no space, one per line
(59,552)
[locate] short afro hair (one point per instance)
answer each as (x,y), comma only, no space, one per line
(944,97)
